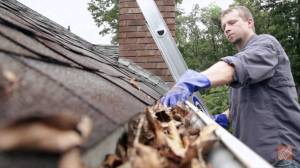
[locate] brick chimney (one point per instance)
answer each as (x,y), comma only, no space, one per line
(135,40)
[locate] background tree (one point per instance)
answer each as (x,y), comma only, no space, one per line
(106,16)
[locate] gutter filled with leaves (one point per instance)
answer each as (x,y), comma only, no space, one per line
(167,138)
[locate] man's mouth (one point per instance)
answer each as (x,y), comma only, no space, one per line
(230,36)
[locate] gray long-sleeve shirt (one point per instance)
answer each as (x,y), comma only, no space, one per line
(263,99)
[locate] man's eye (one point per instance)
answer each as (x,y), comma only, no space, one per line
(232,22)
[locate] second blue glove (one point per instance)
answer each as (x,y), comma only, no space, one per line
(222,120)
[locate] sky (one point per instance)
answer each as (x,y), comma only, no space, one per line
(74,13)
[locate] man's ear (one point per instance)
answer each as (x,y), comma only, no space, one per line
(250,22)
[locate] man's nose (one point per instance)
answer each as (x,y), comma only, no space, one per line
(227,31)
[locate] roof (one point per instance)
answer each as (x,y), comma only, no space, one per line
(58,71)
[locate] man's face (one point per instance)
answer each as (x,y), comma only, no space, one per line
(235,28)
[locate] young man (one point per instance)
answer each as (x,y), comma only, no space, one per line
(263,101)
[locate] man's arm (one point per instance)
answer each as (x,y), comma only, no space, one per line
(220,73)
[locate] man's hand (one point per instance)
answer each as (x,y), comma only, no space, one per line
(222,120)
(188,83)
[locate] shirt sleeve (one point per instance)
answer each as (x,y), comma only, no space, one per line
(255,63)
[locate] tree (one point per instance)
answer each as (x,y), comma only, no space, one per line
(106,16)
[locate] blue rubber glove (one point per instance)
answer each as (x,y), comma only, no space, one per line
(188,83)
(222,120)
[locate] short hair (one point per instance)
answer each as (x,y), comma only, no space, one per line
(243,11)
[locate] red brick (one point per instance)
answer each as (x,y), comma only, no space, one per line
(170,21)
(128,53)
(127,1)
(173,33)
(127,41)
(142,28)
(128,47)
(167,8)
(135,22)
(122,35)
(133,47)
(172,27)
(165,2)
(122,23)
(128,5)
(129,10)
(160,72)
(153,65)
(168,14)
(137,34)
(131,16)
(146,59)
(167,78)
(127,29)
(148,52)
(145,40)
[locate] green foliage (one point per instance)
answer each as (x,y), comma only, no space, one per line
(106,16)
(216,99)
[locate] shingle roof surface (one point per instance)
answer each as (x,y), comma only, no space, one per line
(59,71)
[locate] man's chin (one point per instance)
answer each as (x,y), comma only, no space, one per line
(235,41)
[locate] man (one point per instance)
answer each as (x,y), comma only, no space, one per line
(263,101)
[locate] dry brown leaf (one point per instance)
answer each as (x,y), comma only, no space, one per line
(206,134)
(206,139)
(162,116)
(177,117)
(195,163)
(134,83)
(201,160)
(38,136)
(185,141)
(125,165)
(122,147)
(8,82)
(121,151)
(174,141)
(191,153)
(65,120)
(155,126)
(193,131)
(56,133)
(10,76)
(159,107)
(179,111)
(146,157)
(139,130)
(112,161)
(71,159)
(85,126)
